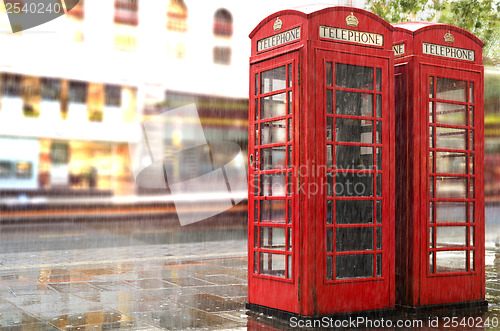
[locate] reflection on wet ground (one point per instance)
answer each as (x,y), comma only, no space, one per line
(146,288)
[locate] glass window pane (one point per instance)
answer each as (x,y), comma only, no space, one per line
(290,75)
(431,263)
(431,237)
(431,137)
(431,187)
(273,158)
(290,214)
(379,237)
(351,76)
(451,261)
(451,187)
(353,130)
(290,103)
(273,106)
(353,185)
(472,238)
(256,134)
(353,103)
(273,185)
(353,157)
(379,185)
(472,255)
(329,74)
(273,132)
(329,128)
(272,238)
(256,109)
(255,263)
(255,237)
(354,266)
(471,116)
(379,211)
(289,276)
(256,84)
(431,87)
(471,212)
(471,92)
(471,188)
(379,158)
(353,239)
(471,140)
(431,112)
(329,240)
(450,138)
(451,89)
(273,80)
(290,156)
(329,212)
(272,264)
(379,265)
(452,163)
(451,236)
(451,212)
(329,267)
(329,183)
(431,211)
(353,211)
(272,211)
(378,74)
(379,132)
(329,156)
(329,101)
(448,113)
(379,105)
(256,211)
(431,162)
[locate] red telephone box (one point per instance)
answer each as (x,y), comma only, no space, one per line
(321,227)
(439,169)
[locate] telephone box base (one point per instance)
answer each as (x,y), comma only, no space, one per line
(480,306)
(286,315)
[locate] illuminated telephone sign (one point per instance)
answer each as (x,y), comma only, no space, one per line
(321,224)
(439,166)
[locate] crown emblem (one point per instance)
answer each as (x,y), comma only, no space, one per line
(351,20)
(277,24)
(448,37)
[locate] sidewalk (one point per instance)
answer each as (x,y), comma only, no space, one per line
(179,286)
(150,287)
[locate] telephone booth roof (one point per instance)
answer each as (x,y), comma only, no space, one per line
(311,18)
(417,33)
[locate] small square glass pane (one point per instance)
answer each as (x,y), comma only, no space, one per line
(378,105)
(451,163)
(353,185)
(273,185)
(273,80)
(379,238)
(329,212)
(451,261)
(353,103)
(329,240)
(272,211)
(451,236)
(353,130)
(451,212)
(329,101)
(273,106)
(451,187)
(272,238)
(354,266)
(378,75)
(431,237)
(273,158)
(472,238)
(329,128)
(353,239)
(471,92)
(352,76)
(451,89)
(353,211)
(451,138)
(272,264)
(273,132)
(450,113)
(353,157)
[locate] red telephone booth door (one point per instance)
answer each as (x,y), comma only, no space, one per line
(355,229)
(273,224)
(453,213)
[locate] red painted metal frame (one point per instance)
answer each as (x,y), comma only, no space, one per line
(308,292)
(416,285)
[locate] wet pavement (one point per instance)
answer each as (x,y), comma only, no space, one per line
(145,287)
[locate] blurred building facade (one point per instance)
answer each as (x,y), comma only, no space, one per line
(73,91)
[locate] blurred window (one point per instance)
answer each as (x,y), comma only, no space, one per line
(177,16)
(24,169)
(223,23)
(113,95)
(222,55)
(77,11)
(12,85)
(51,89)
(5,169)
(127,12)
(78,92)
